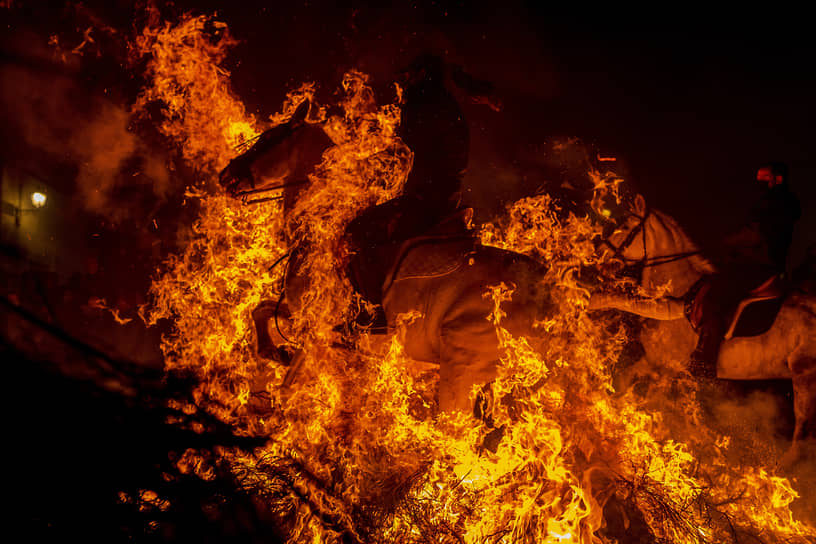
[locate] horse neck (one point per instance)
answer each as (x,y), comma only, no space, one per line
(665,238)
(677,277)
(304,153)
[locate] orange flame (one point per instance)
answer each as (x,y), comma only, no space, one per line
(202,115)
(356,450)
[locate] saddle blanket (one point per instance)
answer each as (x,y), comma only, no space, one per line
(432,257)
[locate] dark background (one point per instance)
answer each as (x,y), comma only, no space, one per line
(690,101)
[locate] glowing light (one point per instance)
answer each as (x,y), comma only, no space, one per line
(38,199)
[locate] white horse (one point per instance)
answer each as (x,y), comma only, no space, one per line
(672,264)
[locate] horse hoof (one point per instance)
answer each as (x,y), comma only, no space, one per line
(281,355)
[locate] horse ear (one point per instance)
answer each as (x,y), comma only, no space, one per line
(640,205)
(300,113)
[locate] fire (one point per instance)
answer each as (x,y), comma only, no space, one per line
(202,116)
(356,450)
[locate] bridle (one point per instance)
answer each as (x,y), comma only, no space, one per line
(635,267)
(632,267)
(245,195)
(257,146)
(617,251)
(242,165)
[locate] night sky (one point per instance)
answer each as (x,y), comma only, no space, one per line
(690,101)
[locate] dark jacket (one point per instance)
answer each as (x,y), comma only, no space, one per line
(766,236)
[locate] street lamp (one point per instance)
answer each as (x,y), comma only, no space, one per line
(38,199)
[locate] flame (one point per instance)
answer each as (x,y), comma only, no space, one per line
(356,450)
(201,114)
(98,303)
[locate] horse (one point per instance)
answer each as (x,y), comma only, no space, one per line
(441,276)
(672,270)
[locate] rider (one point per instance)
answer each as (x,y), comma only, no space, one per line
(751,256)
(433,126)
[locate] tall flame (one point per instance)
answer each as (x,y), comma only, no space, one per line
(356,450)
(201,114)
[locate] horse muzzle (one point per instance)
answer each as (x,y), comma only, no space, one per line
(236,178)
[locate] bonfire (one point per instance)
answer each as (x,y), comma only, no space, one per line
(355,449)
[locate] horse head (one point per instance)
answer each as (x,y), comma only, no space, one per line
(656,249)
(627,237)
(282,156)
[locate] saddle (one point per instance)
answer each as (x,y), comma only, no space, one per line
(437,251)
(375,264)
(440,251)
(753,315)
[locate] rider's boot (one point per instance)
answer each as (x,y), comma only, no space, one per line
(703,360)
(267,347)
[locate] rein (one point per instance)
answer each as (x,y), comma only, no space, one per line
(617,251)
(242,164)
(244,195)
(638,265)
(665,259)
(286,256)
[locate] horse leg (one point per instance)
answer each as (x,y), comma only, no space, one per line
(468,352)
(459,372)
(804,409)
(267,347)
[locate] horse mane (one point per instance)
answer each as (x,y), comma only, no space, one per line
(684,243)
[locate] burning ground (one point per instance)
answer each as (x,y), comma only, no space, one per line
(355,450)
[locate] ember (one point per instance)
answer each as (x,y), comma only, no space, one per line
(356,449)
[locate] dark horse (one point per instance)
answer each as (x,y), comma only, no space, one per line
(442,275)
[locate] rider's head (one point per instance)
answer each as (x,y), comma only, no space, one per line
(772,174)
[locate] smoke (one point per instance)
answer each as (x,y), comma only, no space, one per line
(59,122)
(751,423)
(104,147)
(562,167)
(758,419)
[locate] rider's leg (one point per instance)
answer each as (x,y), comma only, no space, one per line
(703,360)
(719,305)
